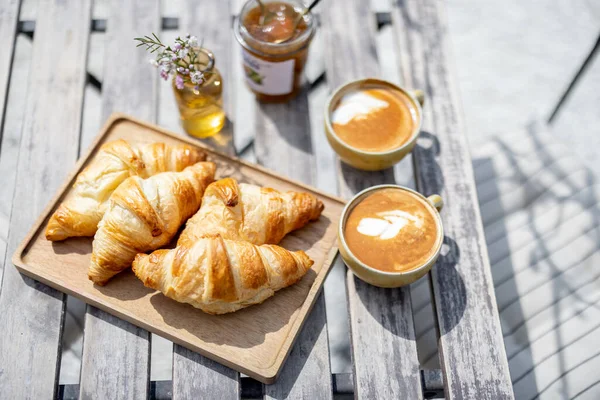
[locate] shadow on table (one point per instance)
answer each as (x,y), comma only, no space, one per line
(538,205)
(427,148)
(290,120)
(529,193)
(311,335)
(428,174)
(356,180)
(558,206)
(447,261)
(222,141)
(74,245)
(218,370)
(385,305)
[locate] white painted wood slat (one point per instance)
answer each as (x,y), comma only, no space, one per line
(306,373)
(195,376)
(32,313)
(11,137)
(472,352)
(116,354)
(9,14)
(385,363)
(9,17)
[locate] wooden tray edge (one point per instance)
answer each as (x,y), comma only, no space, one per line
(266,375)
(23,268)
(18,254)
(313,294)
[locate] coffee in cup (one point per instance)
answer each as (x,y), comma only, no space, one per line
(390,236)
(372,123)
(374,119)
(391,230)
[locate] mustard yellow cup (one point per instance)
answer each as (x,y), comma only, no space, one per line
(367,160)
(382,278)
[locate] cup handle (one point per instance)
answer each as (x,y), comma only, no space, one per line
(420,96)
(436,201)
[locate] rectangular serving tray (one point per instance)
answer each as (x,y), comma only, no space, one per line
(255,340)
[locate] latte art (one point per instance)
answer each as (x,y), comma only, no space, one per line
(374,119)
(356,105)
(389,225)
(392,230)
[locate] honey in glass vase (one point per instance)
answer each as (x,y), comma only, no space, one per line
(201,106)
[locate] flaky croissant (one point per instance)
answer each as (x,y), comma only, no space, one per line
(116,161)
(220,276)
(251,213)
(145,214)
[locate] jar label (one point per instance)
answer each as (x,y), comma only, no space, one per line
(266,77)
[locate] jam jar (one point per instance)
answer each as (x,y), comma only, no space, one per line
(273,70)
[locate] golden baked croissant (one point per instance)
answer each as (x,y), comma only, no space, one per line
(248,212)
(145,214)
(220,276)
(116,161)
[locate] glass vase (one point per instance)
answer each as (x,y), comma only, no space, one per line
(201,106)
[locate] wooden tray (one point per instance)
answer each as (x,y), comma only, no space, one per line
(256,340)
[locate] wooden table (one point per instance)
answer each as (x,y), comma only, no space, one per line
(288,138)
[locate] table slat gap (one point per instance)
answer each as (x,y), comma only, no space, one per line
(32,313)
(9,17)
(11,138)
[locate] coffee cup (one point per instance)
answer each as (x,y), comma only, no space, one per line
(374,159)
(375,274)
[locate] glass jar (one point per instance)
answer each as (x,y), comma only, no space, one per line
(201,109)
(274,71)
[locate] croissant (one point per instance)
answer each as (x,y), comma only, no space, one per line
(80,213)
(220,276)
(145,214)
(251,213)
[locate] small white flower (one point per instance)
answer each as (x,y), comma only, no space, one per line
(193,41)
(164,60)
(182,53)
(196,77)
(153,62)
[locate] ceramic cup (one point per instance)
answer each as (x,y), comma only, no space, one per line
(366,160)
(382,278)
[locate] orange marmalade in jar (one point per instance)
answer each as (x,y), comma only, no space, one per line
(274,70)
